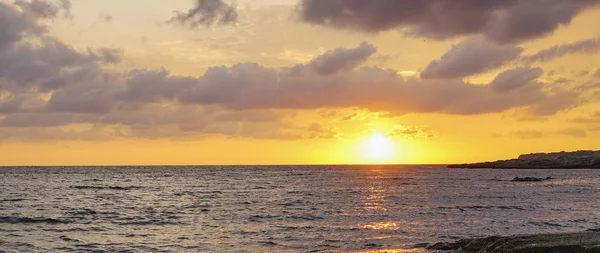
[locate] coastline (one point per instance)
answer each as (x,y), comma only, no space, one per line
(583,159)
(570,242)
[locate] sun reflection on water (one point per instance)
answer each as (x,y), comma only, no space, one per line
(382,226)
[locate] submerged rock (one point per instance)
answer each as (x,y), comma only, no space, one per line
(530,179)
(581,242)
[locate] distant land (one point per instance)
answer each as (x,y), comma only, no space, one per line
(582,159)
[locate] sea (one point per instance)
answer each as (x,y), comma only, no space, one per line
(361,208)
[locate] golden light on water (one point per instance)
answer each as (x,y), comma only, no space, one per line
(382,226)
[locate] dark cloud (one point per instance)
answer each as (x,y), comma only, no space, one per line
(206,13)
(333,61)
(503,21)
(342,59)
(515,78)
(584,46)
(469,57)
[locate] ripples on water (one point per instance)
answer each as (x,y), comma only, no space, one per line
(282,209)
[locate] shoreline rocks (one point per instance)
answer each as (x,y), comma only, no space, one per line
(560,160)
(578,242)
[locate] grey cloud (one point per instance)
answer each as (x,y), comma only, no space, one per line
(48,65)
(503,21)
(51,65)
(469,57)
(251,86)
(106,18)
(515,78)
(562,100)
(584,46)
(15,25)
(342,59)
(206,13)
(38,8)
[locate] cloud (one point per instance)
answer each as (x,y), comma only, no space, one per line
(46,86)
(502,21)
(592,119)
(573,132)
(469,57)
(251,86)
(342,59)
(515,78)
(44,9)
(336,60)
(584,46)
(316,131)
(411,131)
(526,134)
(106,18)
(597,74)
(206,13)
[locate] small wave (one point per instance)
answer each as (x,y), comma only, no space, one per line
(88,229)
(27,220)
(305,217)
(12,200)
(545,224)
(68,239)
(463,208)
(150,222)
(268,243)
(84,211)
(94,187)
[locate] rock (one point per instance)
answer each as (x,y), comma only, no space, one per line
(559,160)
(580,242)
(530,179)
(449,245)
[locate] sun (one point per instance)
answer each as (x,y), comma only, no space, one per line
(377,148)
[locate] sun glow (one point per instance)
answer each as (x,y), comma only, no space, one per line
(377,148)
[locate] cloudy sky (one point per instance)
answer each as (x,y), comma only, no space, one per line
(295,81)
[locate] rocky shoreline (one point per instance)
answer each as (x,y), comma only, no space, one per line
(584,159)
(577,242)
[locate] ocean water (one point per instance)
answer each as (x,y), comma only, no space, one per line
(282,208)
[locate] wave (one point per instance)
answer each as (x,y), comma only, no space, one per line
(463,208)
(27,220)
(94,187)
(13,200)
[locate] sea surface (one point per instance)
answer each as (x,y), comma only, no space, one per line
(282,208)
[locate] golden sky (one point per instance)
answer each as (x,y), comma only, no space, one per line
(154,82)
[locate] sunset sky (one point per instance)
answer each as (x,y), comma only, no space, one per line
(122,82)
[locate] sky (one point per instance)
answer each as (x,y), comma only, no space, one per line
(155,82)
